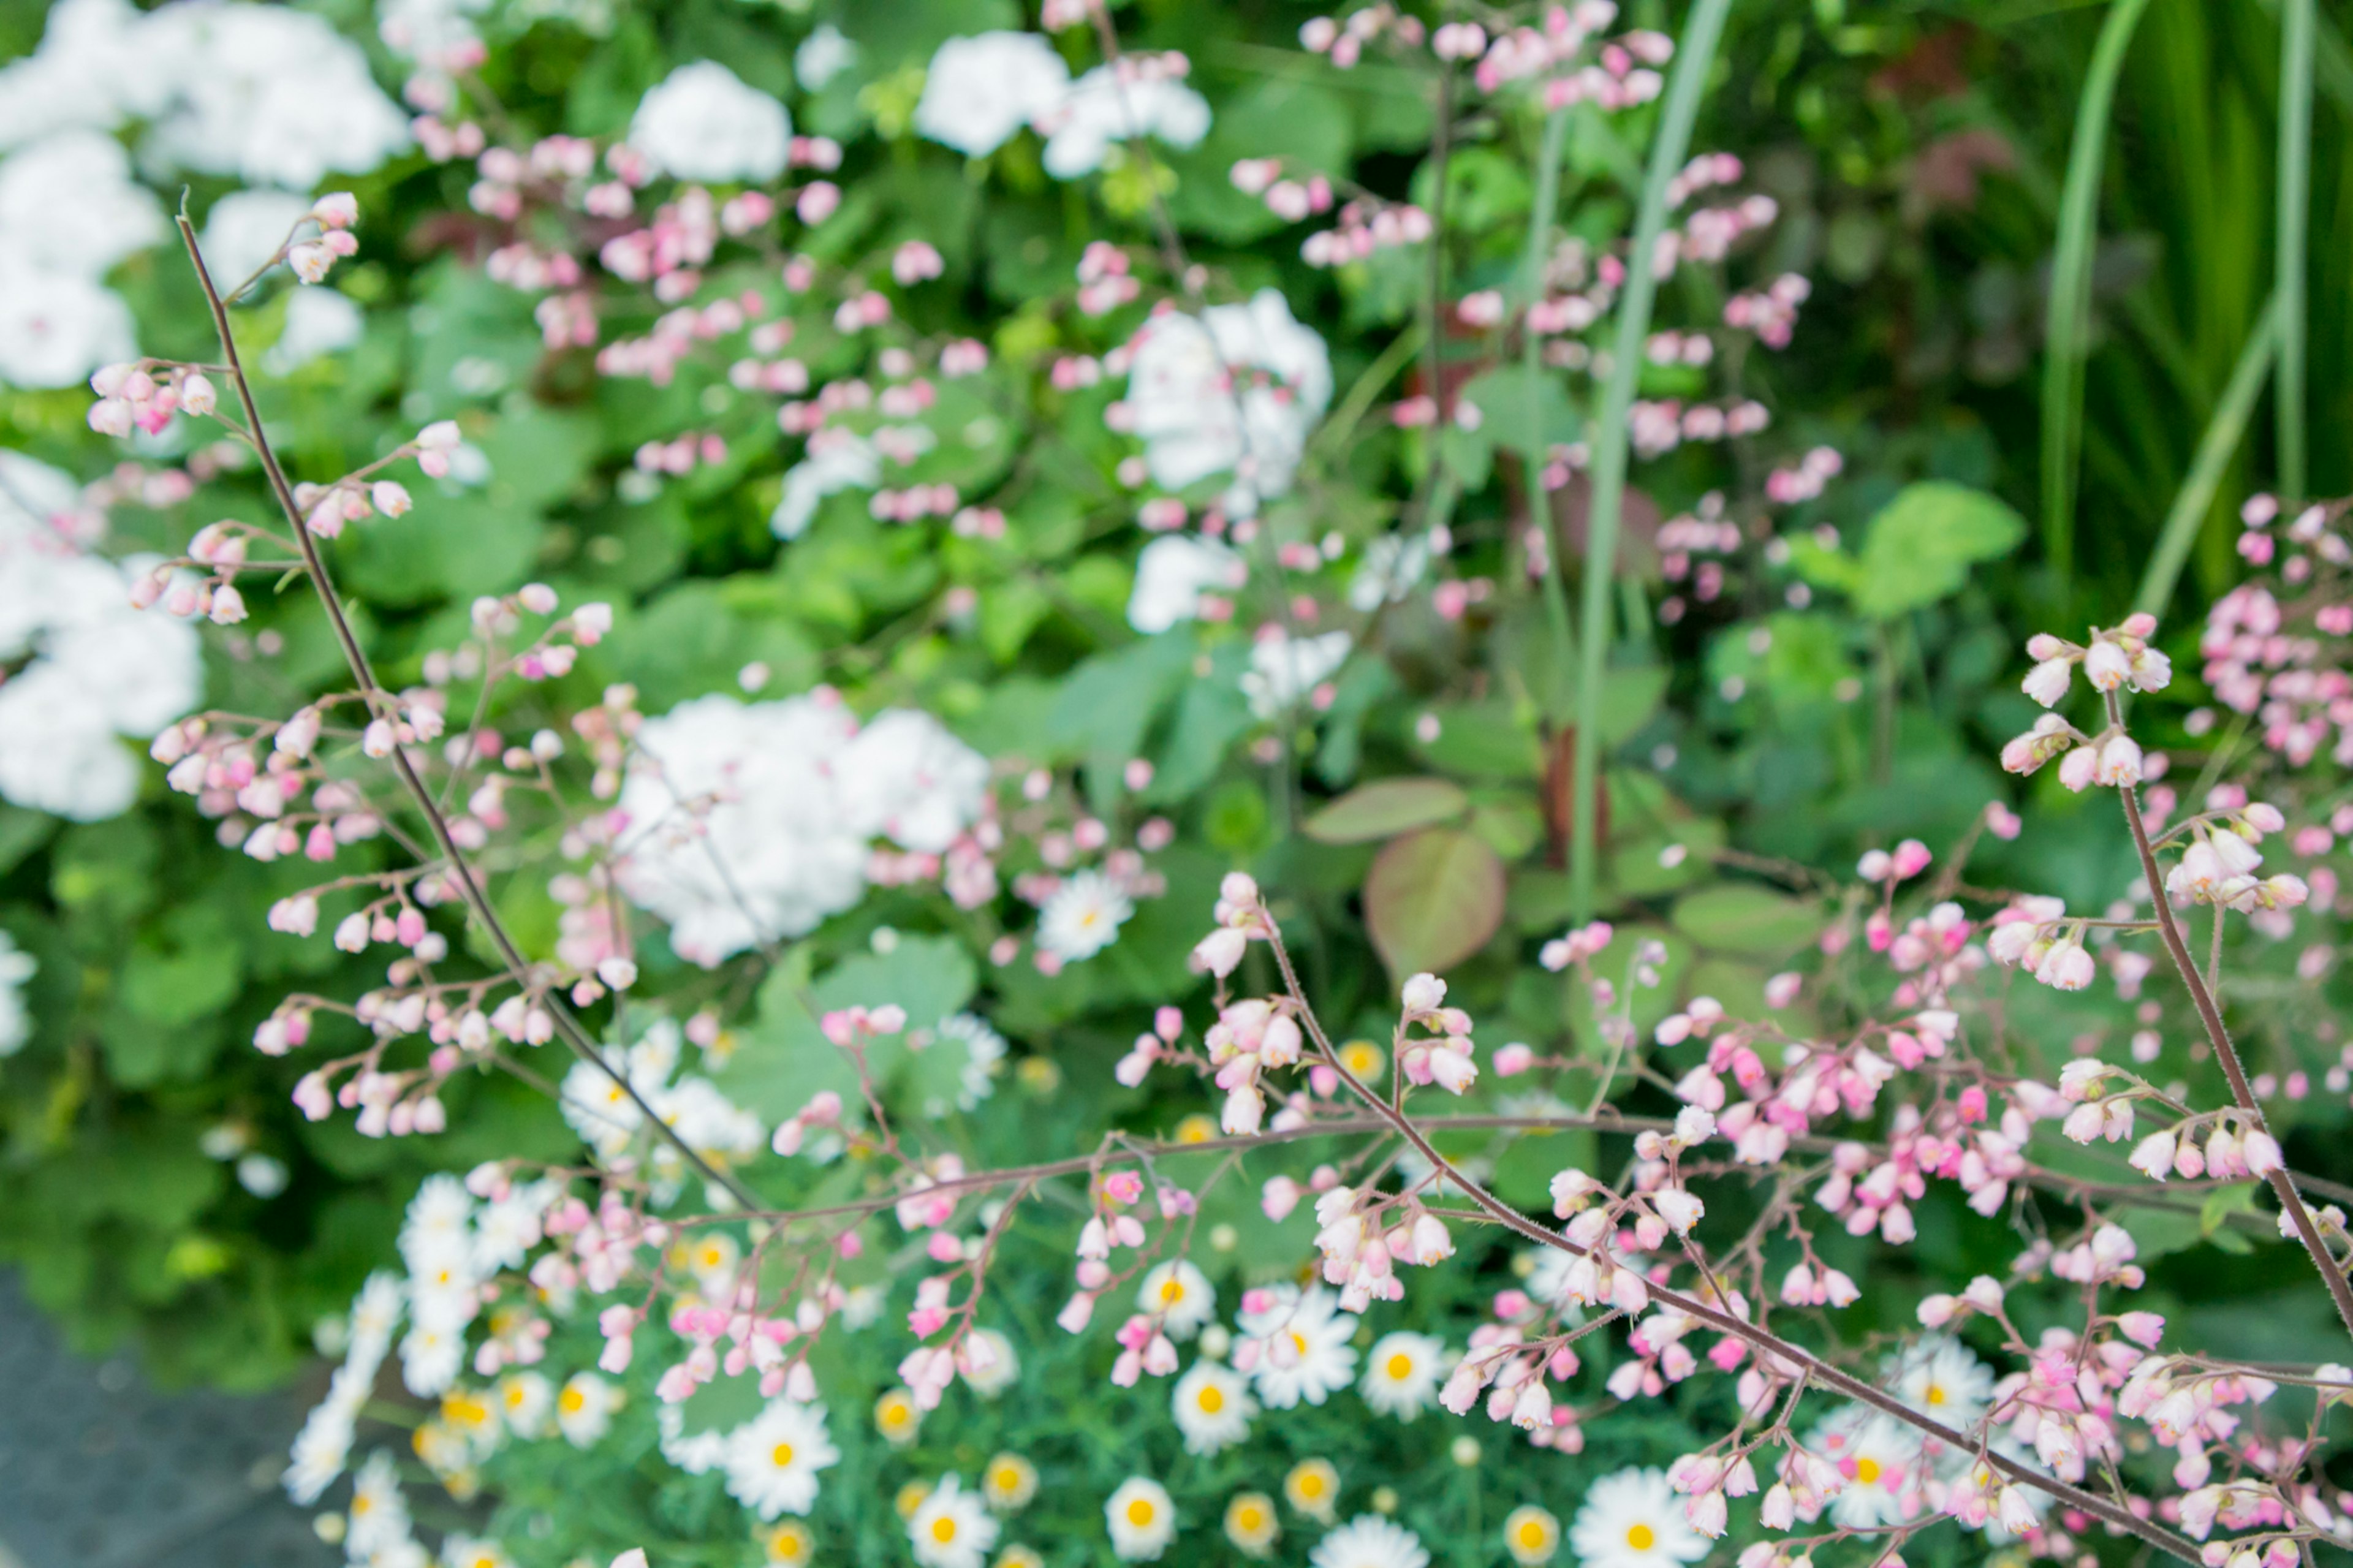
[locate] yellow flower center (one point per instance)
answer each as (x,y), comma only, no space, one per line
(1299,1343)
(1936,1393)
(1400,1367)
(1311,1485)
(573,1401)
(1248,1517)
(1866,1471)
(944,1529)
(1172,1290)
(1641,1538)
(782,1454)
(362,1502)
(1140,1512)
(1213,1399)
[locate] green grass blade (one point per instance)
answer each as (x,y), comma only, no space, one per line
(2224,433)
(1693,56)
(1540,221)
(2296,56)
(2066,327)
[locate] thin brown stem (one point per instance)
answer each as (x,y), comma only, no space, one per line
(2210,1015)
(379,701)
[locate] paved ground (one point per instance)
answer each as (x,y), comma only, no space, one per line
(97,1471)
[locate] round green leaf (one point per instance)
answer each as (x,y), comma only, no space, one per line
(1433,899)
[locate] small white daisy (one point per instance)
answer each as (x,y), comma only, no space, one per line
(1532,1535)
(1939,1376)
(1880,1458)
(1402,1373)
(986,1362)
(1008,1482)
(1632,1518)
(898,1417)
(1213,1408)
(1180,1293)
(1083,916)
(525,1401)
(773,1458)
(951,1528)
(1313,1487)
(1142,1520)
(584,1408)
(788,1543)
(1304,1352)
(1368,1540)
(464,1551)
(1251,1523)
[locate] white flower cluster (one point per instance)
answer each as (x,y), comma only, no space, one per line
(1235,390)
(710,1123)
(705,123)
(743,822)
(324,1444)
(268,94)
(93,668)
(982,90)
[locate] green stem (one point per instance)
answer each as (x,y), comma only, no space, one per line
(2296,51)
(1548,202)
(2066,327)
(2223,432)
(1693,56)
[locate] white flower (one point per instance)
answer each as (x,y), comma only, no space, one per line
(1142,1520)
(744,825)
(1632,1518)
(16,966)
(983,1057)
(320,1450)
(431,1356)
(980,91)
(270,94)
(526,1401)
(837,461)
(1402,1372)
(1532,1535)
(1213,1408)
(1939,1376)
(585,1407)
(1307,1353)
(1171,575)
(696,1453)
(56,328)
(319,321)
(1180,1293)
(1392,564)
(987,1362)
(92,69)
(704,122)
(1083,916)
(67,203)
(469,1551)
(378,1519)
(1368,1540)
(824,54)
(1235,390)
(1102,108)
(244,229)
(1882,1462)
(773,1458)
(1284,670)
(952,1529)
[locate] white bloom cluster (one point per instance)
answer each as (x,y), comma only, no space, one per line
(324,1444)
(837,460)
(705,123)
(710,1123)
(744,823)
(1285,669)
(16,966)
(1234,390)
(268,94)
(980,91)
(93,669)
(1172,575)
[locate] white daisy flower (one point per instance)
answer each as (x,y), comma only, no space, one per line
(984,1057)
(1939,1376)
(1313,1487)
(1632,1518)
(898,1417)
(525,1401)
(1304,1352)
(1402,1373)
(1532,1535)
(951,1528)
(1251,1525)
(376,1522)
(1009,1483)
(1880,1459)
(1368,1540)
(1181,1294)
(788,1543)
(466,1551)
(1142,1520)
(1083,916)
(1213,1408)
(986,1362)
(584,1409)
(773,1460)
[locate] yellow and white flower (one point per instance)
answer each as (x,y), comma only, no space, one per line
(1532,1535)
(1142,1520)
(788,1543)
(1313,1487)
(525,1401)
(1181,1294)
(585,1407)
(1019,1556)
(1402,1373)
(952,1529)
(1632,1518)
(1213,1408)
(1304,1352)
(1008,1482)
(773,1458)
(1938,1377)
(464,1551)
(1368,1540)
(897,1418)
(1251,1525)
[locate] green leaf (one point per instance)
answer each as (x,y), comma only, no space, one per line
(1524,1170)
(1922,544)
(1433,899)
(1745,919)
(1386,808)
(785,1058)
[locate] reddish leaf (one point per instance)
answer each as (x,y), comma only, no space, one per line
(1433,899)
